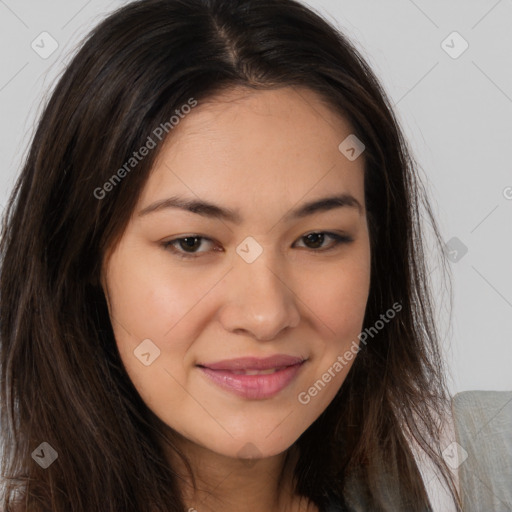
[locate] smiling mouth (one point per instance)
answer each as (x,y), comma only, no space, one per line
(253,384)
(255,372)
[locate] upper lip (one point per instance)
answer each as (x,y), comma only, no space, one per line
(255,363)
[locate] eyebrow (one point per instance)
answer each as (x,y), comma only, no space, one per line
(210,210)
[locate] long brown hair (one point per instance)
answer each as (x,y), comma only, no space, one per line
(62,380)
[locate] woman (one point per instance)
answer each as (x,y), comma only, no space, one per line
(214,294)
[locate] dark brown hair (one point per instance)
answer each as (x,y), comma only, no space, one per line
(62,380)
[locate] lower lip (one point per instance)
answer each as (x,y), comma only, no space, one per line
(254,387)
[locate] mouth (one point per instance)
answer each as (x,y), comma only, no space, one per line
(252,383)
(256,372)
(275,362)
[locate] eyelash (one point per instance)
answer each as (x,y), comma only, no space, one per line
(169,245)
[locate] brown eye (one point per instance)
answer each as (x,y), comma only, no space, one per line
(190,242)
(186,247)
(316,240)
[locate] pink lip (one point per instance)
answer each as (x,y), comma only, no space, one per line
(254,363)
(256,387)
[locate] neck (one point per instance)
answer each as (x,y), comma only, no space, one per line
(233,484)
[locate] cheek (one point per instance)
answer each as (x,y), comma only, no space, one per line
(338,296)
(343,304)
(150,301)
(148,305)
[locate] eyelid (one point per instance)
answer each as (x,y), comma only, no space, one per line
(338,240)
(169,245)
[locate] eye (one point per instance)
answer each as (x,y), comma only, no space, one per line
(316,239)
(187,247)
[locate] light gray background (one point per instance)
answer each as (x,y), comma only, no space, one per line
(455,113)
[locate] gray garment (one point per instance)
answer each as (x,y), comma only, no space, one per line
(483,431)
(483,427)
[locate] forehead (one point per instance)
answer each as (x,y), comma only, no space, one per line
(245,146)
(276,119)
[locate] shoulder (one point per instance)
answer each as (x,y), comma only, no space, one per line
(476,444)
(483,449)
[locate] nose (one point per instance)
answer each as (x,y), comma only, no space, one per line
(259,300)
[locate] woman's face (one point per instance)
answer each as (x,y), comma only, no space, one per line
(252,284)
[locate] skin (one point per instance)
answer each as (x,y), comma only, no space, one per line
(262,153)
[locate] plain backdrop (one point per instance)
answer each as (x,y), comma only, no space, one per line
(447,68)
